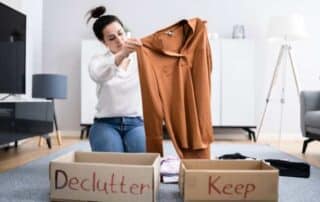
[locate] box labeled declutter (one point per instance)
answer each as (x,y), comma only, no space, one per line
(104,176)
(228,180)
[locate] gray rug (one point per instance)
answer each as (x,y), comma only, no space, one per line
(31,183)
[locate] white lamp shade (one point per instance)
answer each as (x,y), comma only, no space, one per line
(289,28)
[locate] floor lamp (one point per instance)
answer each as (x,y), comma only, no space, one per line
(51,87)
(287,29)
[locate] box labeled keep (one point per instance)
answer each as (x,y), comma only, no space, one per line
(105,176)
(228,180)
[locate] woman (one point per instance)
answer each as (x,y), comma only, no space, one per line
(118,126)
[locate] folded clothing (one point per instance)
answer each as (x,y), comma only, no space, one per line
(169,166)
(290,169)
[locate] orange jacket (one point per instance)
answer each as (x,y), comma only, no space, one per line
(175,67)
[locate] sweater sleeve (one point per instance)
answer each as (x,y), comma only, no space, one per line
(102,68)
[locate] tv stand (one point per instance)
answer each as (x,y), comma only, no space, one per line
(20,119)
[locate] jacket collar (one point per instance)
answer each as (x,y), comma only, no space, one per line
(155,42)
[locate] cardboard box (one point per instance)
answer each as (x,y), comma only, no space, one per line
(228,180)
(104,176)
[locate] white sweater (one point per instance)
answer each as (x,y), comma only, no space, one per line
(118,90)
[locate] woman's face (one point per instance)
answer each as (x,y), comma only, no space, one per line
(114,36)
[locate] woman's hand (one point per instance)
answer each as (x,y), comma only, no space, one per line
(130,46)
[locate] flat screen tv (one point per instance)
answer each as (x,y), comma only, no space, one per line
(12,51)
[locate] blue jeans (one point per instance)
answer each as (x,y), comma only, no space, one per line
(118,134)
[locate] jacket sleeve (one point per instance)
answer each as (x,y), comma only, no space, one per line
(102,68)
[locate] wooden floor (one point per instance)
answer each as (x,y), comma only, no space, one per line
(29,149)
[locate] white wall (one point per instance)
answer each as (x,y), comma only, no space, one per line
(64,27)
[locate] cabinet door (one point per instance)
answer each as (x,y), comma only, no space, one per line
(237,81)
(215,82)
(88,87)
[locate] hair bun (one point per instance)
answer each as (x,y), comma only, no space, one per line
(98,11)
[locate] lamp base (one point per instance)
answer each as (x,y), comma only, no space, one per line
(48,140)
(55,124)
(285,49)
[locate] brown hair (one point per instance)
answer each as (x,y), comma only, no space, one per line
(101,20)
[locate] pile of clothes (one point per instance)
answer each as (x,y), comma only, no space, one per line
(286,168)
(170,165)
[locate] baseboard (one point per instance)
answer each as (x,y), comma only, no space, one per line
(263,136)
(71,133)
(284,136)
